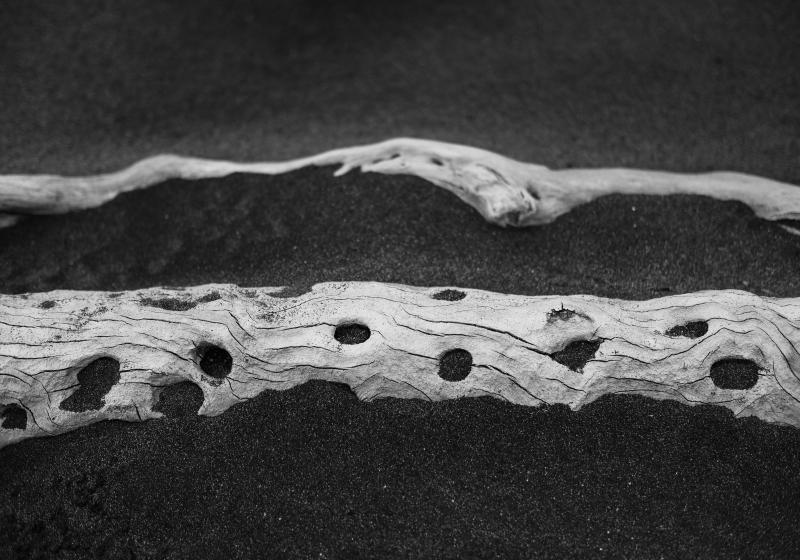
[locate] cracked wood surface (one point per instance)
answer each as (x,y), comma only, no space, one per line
(506,192)
(663,348)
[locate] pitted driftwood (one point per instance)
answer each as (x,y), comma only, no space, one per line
(664,348)
(506,192)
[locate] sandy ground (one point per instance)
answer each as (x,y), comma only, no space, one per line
(312,472)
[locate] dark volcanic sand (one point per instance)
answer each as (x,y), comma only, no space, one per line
(307,226)
(313,472)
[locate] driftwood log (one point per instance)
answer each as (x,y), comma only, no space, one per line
(506,192)
(71,358)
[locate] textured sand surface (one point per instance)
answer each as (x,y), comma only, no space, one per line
(314,472)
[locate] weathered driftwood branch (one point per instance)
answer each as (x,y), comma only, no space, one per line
(506,192)
(68,359)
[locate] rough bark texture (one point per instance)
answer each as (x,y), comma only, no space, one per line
(68,359)
(505,192)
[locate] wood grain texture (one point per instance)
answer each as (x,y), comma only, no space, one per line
(522,349)
(504,191)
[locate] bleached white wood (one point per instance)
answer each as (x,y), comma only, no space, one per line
(505,192)
(276,343)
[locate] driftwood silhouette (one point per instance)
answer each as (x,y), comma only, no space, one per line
(505,192)
(71,358)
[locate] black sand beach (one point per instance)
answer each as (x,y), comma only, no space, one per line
(313,472)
